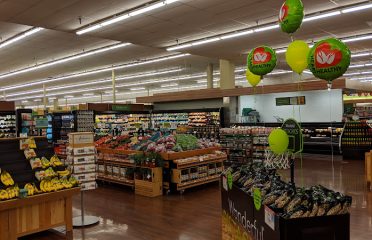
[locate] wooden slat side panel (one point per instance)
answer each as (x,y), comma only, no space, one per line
(4,225)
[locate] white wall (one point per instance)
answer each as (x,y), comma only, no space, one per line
(321,106)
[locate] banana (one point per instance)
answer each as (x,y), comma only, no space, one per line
(30,189)
(55,162)
(6,178)
(63,173)
(45,162)
(3,195)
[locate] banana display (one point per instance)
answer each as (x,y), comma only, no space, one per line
(6,178)
(55,162)
(9,193)
(45,162)
(55,184)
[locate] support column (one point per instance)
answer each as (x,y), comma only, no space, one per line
(4,95)
(227,74)
(45,101)
(210,76)
(113,87)
(227,81)
(101,98)
(55,104)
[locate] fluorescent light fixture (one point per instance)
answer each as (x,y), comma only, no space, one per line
(169,85)
(63,60)
(137,89)
(205,41)
(279,72)
(266,28)
(281,50)
(179,47)
(358,38)
(237,34)
(68,96)
(25,101)
(361,54)
(37,100)
(52,98)
(95,71)
(357,8)
(356,66)
(20,36)
(88,94)
(146,9)
(126,15)
(320,16)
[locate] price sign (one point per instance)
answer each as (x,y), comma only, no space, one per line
(294,131)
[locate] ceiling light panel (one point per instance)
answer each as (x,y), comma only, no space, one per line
(95,71)
(63,60)
(19,37)
(120,17)
(271,26)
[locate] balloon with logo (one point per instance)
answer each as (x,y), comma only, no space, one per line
(291,15)
(296,56)
(278,141)
(261,60)
(252,79)
(329,59)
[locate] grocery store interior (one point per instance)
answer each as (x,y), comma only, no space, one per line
(186,119)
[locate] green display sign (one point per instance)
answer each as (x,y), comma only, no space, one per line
(121,108)
(284,101)
(257,199)
(41,123)
(229,180)
(294,131)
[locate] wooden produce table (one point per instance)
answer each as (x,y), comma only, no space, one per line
(21,217)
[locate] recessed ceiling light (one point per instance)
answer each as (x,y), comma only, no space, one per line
(137,89)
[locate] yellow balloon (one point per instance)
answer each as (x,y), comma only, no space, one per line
(252,79)
(296,56)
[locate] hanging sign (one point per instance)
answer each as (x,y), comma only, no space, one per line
(294,131)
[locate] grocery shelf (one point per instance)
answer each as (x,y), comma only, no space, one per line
(117,181)
(119,163)
(195,164)
(198,182)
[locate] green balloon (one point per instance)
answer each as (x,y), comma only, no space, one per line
(261,60)
(278,141)
(329,59)
(291,15)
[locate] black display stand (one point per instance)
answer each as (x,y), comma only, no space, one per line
(263,224)
(13,159)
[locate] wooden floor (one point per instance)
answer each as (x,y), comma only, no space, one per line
(196,214)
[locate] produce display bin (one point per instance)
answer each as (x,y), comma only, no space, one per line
(241,220)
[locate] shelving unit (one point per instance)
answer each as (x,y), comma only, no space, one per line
(8,124)
(62,125)
(188,169)
(356,140)
(117,122)
(115,166)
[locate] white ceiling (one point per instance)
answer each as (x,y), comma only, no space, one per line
(151,33)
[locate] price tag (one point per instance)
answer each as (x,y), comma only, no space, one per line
(270,218)
(229,180)
(257,199)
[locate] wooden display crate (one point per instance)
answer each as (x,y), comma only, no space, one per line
(148,189)
(368,168)
(21,217)
(116,151)
(186,154)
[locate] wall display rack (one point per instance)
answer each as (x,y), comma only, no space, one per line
(8,126)
(356,139)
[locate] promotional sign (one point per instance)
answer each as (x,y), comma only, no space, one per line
(329,59)
(291,15)
(294,131)
(261,60)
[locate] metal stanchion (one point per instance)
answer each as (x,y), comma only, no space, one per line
(83,221)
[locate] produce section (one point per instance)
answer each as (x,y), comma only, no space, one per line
(279,209)
(356,140)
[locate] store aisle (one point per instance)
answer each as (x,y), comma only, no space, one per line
(196,214)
